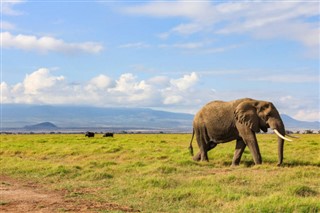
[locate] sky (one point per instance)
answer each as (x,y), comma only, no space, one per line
(168,55)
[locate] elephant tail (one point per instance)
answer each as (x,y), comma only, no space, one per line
(190,146)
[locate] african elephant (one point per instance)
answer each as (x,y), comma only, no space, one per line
(220,122)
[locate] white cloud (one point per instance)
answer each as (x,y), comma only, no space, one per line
(191,9)
(39,80)
(181,94)
(205,47)
(178,91)
(137,45)
(126,83)
(163,81)
(7,25)
(290,20)
(189,45)
(42,86)
(5,93)
(307,115)
(301,108)
(185,82)
(100,82)
(173,99)
(46,44)
(291,78)
(7,7)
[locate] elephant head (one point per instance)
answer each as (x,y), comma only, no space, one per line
(262,115)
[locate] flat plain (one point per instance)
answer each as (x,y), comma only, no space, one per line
(155,173)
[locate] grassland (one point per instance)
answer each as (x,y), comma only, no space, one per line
(155,173)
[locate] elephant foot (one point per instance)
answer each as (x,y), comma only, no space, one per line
(197,157)
(206,159)
(235,164)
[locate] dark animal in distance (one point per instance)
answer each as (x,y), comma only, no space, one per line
(108,134)
(220,122)
(89,134)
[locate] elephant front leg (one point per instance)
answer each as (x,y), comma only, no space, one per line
(240,146)
(254,149)
(249,138)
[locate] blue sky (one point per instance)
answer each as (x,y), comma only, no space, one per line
(169,55)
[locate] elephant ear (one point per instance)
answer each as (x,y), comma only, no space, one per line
(246,113)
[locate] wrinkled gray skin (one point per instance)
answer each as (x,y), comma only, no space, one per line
(220,122)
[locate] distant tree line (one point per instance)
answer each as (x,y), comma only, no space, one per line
(307,131)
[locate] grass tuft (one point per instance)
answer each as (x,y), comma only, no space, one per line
(304,191)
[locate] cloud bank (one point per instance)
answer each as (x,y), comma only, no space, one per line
(181,94)
(43,87)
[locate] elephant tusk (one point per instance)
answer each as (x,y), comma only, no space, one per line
(291,136)
(281,136)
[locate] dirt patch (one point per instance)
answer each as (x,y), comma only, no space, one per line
(21,196)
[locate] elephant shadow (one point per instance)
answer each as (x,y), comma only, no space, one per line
(246,163)
(296,163)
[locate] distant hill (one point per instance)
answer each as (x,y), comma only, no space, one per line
(293,124)
(33,116)
(41,126)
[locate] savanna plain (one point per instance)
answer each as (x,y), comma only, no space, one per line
(156,173)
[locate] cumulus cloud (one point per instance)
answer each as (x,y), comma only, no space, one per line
(100,82)
(42,86)
(40,80)
(185,82)
(46,44)
(5,93)
(178,91)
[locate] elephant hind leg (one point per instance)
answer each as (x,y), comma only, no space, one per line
(197,157)
(210,146)
(204,144)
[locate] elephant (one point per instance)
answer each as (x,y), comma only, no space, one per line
(89,134)
(220,122)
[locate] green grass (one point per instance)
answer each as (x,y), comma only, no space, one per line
(155,173)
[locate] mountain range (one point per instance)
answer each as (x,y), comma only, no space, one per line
(45,117)
(87,117)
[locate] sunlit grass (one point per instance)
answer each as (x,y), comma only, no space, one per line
(155,172)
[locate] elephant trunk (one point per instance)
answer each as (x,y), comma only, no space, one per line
(280,131)
(280,150)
